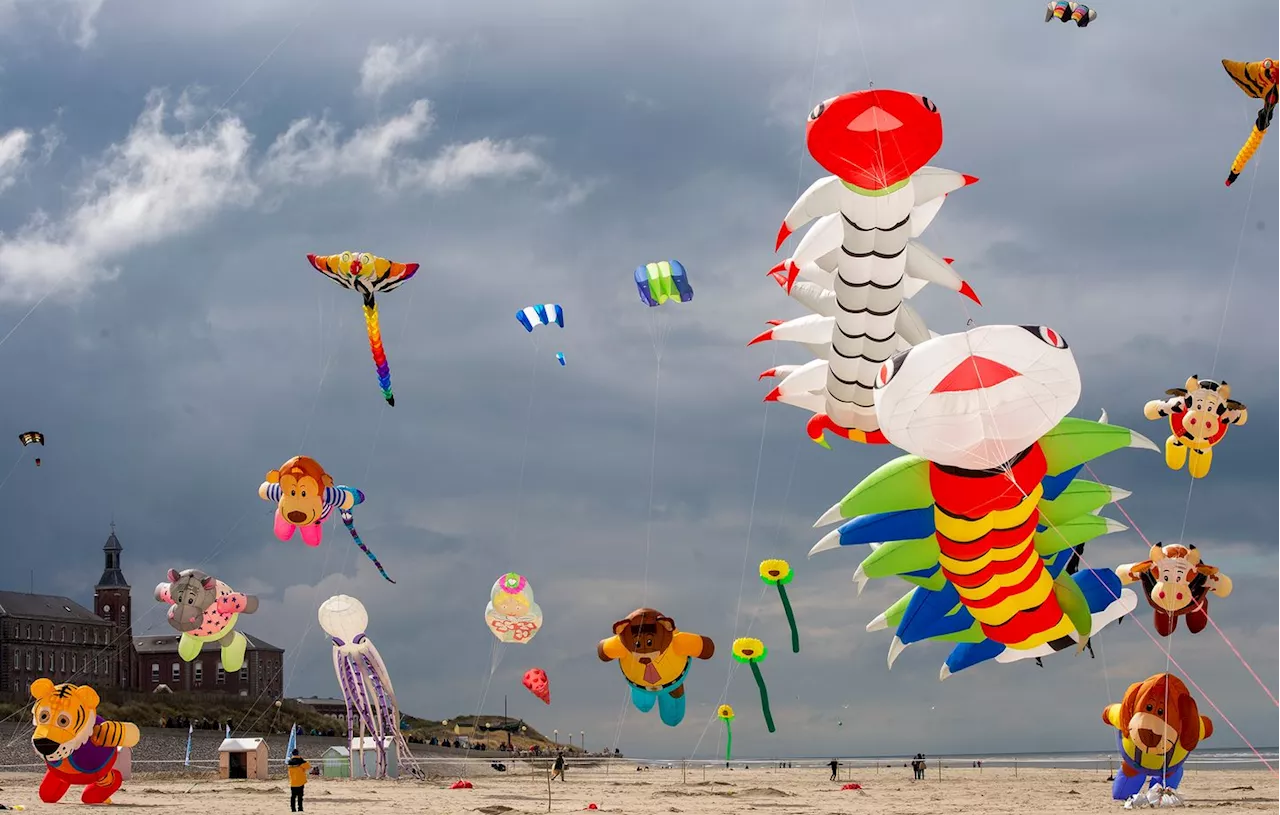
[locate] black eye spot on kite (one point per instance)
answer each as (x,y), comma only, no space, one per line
(890,368)
(1047,335)
(816,112)
(928,105)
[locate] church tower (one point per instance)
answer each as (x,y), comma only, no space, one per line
(111,602)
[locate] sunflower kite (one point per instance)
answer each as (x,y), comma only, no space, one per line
(752,651)
(369,275)
(778,573)
(725,713)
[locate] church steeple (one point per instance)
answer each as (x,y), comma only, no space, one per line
(112,577)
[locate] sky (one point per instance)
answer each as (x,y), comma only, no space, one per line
(164,172)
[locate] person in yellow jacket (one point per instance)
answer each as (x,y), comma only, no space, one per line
(298,769)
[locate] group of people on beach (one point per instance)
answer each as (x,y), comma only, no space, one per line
(918,766)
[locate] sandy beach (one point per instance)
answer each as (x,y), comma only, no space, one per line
(677,790)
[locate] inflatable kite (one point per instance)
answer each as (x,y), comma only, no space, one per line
(511,614)
(985,513)
(725,714)
(778,573)
(535,679)
(1157,726)
(860,254)
(659,282)
(305,495)
(751,651)
(32,437)
(369,276)
(1069,12)
(560,358)
(78,746)
(1177,584)
(1258,80)
(655,659)
(365,683)
(204,609)
(1199,416)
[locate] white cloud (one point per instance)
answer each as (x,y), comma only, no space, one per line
(79,15)
(51,138)
(149,187)
(389,64)
(460,164)
(13,149)
(310,151)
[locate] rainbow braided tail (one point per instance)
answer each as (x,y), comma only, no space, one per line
(349,521)
(379,353)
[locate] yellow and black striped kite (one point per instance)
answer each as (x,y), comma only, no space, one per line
(1258,81)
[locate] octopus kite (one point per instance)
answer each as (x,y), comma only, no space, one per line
(1258,80)
(985,514)
(369,275)
(1199,415)
(861,252)
(366,685)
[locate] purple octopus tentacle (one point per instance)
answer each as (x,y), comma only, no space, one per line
(363,701)
(339,663)
(406,755)
(372,720)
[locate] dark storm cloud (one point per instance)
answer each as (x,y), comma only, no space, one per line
(170,388)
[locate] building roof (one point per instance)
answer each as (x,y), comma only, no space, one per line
(239,745)
(46,606)
(313,701)
(168,644)
(112,577)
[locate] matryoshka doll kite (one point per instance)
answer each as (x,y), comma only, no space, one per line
(512,615)
(368,275)
(1199,416)
(861,253)
(984,514)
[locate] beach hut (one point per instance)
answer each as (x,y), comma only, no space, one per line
(336,763)
(370,765)
(242,758)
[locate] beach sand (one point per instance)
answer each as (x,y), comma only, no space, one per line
(676,790)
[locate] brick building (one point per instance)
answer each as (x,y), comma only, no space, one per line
(55,637)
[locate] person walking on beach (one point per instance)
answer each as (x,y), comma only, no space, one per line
(558,768)
(298,769)
(834,765)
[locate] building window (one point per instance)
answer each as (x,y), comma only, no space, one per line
(222,675)
(17,660)
(28,660)
(40,661)
(198,671)
(73,663)
(244,673)
(62,663)
(28,634)
(62,634)
(40,632)
(155,672)
(95,666)
(177,672)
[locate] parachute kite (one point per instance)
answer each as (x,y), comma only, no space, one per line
(560,358)
(1157,726)
(369,275)
(542,314)
(511,614)
(1068,12)
(1258,80)
(1177,584)
(860,254)
(305,495)
(1199,415)
(663,281)
(984,514)
(655,659)
(32,437)
(535,679)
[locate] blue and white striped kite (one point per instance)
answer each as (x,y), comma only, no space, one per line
(541,314)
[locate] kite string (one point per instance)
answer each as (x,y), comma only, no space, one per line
(30,311)
(16,462)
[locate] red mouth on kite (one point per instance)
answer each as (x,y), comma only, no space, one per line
(975,373)
(875,138)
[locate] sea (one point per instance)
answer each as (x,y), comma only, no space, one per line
(1204,758)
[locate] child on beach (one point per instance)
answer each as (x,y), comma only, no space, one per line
(298,769)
